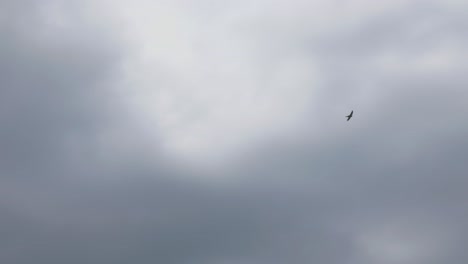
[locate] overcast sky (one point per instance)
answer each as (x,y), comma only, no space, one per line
(214,132)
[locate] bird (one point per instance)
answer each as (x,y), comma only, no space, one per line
(350,115)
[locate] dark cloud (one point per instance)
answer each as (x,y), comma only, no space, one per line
(80,182)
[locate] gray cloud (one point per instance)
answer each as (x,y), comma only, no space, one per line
(92,172)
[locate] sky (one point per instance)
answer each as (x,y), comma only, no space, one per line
(214,132)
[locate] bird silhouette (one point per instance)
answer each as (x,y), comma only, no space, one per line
(350,115)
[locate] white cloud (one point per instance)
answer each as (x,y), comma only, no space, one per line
(207,89)
(206,80)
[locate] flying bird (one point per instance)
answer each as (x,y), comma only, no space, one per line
(350,115)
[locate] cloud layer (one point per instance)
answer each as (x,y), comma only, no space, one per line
(175,132)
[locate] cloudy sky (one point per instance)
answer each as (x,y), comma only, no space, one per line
(214,132)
